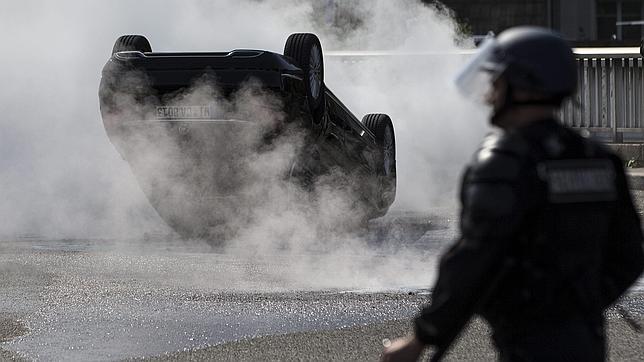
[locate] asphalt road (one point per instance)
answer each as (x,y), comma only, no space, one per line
(157,297)
(96,299)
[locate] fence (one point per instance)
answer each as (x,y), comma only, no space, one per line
(610,95)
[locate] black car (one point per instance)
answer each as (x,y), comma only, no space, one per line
(187,122)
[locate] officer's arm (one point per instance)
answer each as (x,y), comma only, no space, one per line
(491,215)
(623,255)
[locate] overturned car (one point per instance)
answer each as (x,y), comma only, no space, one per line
(192,124)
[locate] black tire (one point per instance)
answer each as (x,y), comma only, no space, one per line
(306,50)
(383,129)
(132,43)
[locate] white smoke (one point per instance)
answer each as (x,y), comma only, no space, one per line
(60,176)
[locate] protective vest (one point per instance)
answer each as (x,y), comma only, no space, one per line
(556,209)
(551,212)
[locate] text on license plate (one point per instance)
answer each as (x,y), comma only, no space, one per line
(184,112)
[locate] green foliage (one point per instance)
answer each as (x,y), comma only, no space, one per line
(632,163)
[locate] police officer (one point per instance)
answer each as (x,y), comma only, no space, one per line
(549,234)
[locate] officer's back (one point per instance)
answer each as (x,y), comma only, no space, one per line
(571,209)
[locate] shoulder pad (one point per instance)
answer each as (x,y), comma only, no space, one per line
(499,158)
(511,142)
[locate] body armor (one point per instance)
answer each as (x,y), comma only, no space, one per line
(552,211)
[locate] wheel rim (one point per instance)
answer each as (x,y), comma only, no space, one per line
(315,72)
(389,151)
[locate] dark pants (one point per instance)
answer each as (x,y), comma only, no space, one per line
(571,341)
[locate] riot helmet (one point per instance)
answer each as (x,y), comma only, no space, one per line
(528,58)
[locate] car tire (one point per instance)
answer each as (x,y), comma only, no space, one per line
(132,43)
(383,129)
(306,51)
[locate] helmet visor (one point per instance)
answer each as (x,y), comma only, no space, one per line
(474,80)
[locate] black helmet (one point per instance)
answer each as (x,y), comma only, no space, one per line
(528,58)
(535,59)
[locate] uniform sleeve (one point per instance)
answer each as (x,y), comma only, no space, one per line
(623,260)
(492,213)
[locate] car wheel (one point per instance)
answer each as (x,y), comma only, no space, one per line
(132,43)
(305,49)
(382,128)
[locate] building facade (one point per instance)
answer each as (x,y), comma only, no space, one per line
(598,22)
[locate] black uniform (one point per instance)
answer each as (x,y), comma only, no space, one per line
(550,212)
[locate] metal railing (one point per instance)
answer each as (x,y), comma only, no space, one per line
(609,99)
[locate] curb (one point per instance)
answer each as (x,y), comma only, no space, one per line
(635,181)
(635,152)
(635,178)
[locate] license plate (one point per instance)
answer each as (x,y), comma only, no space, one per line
(184,112)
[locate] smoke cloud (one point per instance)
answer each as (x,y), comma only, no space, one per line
(61,177)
